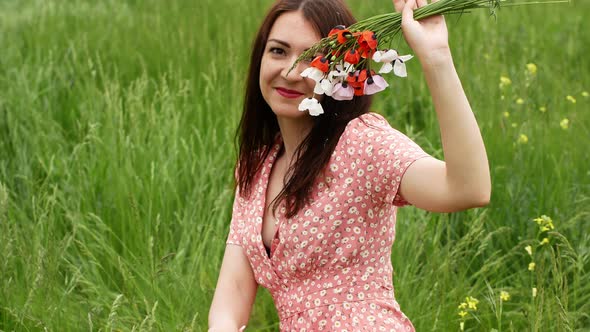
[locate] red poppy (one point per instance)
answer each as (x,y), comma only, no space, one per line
(336,30)
(368,39)
(358,76)
(367,44)
(353,57)
(357,81)
(362,75)
(366,53)
(342,34)
(352,77)
(321,63)
(359,88)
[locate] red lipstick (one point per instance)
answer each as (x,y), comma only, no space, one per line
(289,93)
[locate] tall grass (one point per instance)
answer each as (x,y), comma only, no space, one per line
(116,152)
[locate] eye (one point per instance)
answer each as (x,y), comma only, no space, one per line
(276,50)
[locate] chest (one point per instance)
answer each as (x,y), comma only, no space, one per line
(275,186)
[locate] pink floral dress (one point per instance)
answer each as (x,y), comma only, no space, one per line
(330,265)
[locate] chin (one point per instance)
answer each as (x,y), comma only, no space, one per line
(290,113)
(289,110)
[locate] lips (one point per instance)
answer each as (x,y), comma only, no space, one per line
(289,93)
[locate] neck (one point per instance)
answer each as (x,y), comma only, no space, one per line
(293,132)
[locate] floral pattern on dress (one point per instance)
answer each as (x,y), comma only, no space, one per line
(329,267)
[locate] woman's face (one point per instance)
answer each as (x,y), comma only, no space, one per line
(290,36)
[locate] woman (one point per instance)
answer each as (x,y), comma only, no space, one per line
(314,214)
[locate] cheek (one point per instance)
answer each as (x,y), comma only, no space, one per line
(262,75)
(268,69)
(310,84)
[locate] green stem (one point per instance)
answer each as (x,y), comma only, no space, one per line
(387,26)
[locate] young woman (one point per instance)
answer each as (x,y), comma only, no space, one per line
(315,208)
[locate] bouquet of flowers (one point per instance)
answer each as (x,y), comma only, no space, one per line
(345,69)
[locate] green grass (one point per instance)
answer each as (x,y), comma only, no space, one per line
(116,153)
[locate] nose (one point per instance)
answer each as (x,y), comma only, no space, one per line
(295,74)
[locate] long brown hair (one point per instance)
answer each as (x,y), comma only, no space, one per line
(258,126)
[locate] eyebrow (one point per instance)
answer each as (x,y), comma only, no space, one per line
(280,42)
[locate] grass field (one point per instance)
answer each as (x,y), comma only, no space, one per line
(117,121)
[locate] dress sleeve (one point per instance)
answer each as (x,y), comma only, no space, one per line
(386,155)
(236,227)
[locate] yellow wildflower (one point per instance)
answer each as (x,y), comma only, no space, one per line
(545,223)
(534,291)
(543,219)
(529,249)
(506,114)
(504,81)
(520,101)
(565,123)
(532,68)
(523,139)
(462,325)
(571,99)
(585,94)
(532,266)
(544,241)
(504,296)
(462,313)
(472,302)
(543,109)
(463,305)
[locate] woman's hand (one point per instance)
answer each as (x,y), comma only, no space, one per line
(428,37)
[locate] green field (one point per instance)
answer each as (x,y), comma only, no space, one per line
(117,122)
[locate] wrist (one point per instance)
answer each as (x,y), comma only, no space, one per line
(436,59)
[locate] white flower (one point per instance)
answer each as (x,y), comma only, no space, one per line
(327,84)
(338,75)
(392,61)
(313,73)
(375,84)
(342,70)
(343,91)
(385,56)
(311,104)
(324,86)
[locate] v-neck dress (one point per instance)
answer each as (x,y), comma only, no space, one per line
(329,267)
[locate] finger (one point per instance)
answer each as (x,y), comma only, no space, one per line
(421,3)
(408,11)
(398,5)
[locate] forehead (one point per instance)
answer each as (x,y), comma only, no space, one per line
(293,28)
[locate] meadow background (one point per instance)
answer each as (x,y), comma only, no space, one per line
(117,123)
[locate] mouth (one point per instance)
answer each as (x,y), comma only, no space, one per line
(289,93)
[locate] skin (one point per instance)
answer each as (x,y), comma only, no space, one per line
(236,286)
(282,49)
(459,182)
(462,180)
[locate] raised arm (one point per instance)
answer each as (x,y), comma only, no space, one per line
(234,294)
(462,180)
